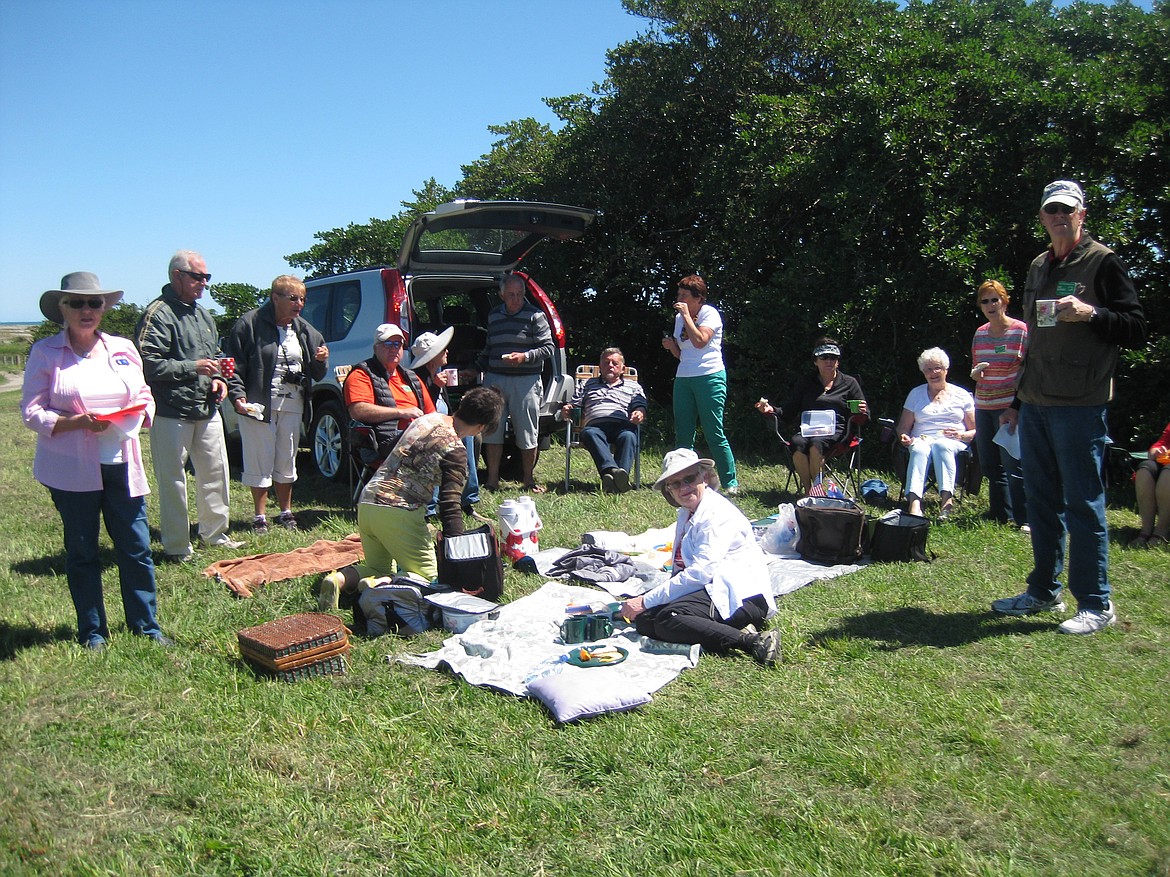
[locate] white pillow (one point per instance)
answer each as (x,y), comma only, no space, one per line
(570,696)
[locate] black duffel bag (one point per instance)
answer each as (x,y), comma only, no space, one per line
(830,529)
(899,537)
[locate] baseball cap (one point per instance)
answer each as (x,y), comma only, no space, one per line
(1064,192)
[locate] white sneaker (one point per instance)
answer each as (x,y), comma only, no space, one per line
(330,591)
(1026,604)
(226,542)
(1090,620)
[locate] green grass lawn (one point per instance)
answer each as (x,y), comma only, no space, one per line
(907,732)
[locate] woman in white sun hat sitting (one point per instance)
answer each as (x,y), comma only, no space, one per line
(720,591)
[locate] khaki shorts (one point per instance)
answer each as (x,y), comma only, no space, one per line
(521,404)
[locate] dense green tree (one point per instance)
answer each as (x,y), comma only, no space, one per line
(842,166)
(236,299)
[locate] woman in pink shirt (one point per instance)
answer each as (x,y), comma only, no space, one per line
(86,398)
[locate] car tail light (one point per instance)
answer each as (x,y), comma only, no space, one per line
(546,305)
(394,288)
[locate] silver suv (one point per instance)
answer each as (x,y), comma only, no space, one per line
(449,270)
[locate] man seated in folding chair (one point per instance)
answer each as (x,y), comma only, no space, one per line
(379,393)
(825,389)
(612,407)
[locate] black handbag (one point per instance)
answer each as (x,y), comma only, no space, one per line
(471,563)
(830,529)
(899,537)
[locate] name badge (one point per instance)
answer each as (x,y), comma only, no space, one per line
(122,359)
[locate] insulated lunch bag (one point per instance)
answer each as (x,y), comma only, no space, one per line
(899,537)
(830,529)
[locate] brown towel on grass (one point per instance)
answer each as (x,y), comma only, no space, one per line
(242,574)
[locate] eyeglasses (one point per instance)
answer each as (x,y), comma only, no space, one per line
(988,301)
(685,481)
(292,298)
(194,275)
(393,345)
(94,304)
(1053,209)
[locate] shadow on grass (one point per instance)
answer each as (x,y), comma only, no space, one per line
(15,638)
(914,626)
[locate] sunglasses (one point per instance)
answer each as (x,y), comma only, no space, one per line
(94,304)
(685,481)
(393,345)
(1053,209)
(831,356)
(988,301)
(201,278)
(292,298)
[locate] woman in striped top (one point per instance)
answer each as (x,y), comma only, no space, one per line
(996,352)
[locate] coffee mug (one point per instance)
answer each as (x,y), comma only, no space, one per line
(598,626)
(227,366)
(574,629)
(1046,312)
(452,376)
(854,406)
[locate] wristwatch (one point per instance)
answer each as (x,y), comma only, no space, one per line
(1093,316)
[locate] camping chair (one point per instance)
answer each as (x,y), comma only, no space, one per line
(842,459)
(573,431)
(362,446)
(968,475)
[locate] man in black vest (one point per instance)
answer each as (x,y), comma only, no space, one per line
(1081,308)
(381,393)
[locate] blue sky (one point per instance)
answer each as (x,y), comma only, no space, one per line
(132,128)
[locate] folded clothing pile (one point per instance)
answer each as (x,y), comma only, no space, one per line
(297,646)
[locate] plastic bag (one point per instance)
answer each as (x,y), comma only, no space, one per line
(783,534)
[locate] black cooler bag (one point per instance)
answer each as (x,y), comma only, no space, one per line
(830,529)
(899,537)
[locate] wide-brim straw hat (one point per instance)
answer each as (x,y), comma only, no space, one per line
(428,345)
(82,284)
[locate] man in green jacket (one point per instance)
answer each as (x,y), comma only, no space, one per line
(178,342)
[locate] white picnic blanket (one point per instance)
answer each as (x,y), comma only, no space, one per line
(522,645)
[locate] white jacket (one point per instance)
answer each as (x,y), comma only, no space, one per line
(720,554)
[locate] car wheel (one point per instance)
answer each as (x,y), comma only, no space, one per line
(330,442)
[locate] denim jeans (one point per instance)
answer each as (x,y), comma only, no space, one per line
(700,400)
(1062,447)
(1005,477)
(125,516)
(596,438)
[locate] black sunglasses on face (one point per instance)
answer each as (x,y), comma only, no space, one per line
(988,301)
(1053,209)
(202,278)
(94,304)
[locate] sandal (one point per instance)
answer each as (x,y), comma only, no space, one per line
(536,488)
(1141,540)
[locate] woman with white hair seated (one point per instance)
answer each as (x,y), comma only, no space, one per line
(937,422)
(720,590)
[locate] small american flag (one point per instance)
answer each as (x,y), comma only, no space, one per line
(817,488)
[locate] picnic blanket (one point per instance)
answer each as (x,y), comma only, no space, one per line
(243,574)
(522,647)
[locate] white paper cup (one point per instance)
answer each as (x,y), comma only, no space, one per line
(452,376)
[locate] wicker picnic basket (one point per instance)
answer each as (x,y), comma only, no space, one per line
(297,647)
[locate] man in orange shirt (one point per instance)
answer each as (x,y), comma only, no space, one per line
(381,393)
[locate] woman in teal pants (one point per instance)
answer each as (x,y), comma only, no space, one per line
(700,384)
